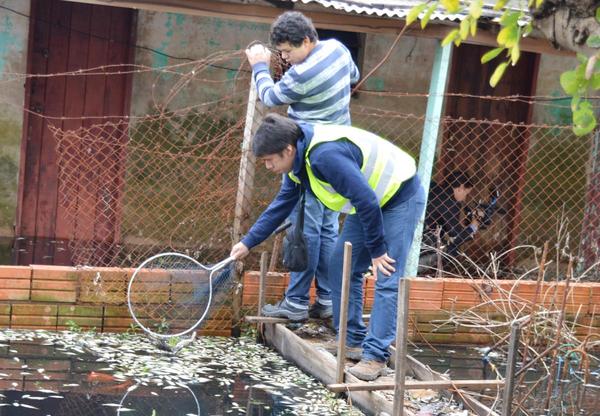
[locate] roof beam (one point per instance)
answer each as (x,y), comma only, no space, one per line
(325,18)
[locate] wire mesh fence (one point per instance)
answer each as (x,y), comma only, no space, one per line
(183,178)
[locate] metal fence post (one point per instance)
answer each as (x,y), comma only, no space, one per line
(509,378)
(437,88)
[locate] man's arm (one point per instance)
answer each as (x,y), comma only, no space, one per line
(277,211)
(460,234)
(271,93)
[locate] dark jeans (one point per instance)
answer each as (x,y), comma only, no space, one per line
(399,224)
(321,232)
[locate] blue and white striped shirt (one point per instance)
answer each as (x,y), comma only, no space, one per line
(317,89)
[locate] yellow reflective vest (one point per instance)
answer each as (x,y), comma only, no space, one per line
(385,166)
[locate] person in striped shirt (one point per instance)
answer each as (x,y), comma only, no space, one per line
(316,89)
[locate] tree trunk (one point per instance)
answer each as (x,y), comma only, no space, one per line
(568,23)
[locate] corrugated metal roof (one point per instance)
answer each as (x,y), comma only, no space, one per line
(400,8)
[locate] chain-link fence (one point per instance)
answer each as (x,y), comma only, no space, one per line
(185,180)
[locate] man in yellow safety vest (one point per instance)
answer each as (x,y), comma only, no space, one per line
(373,181)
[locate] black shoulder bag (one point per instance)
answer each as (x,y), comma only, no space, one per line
(295,251)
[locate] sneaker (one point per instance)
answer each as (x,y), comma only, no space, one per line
(368,370)
(319,311)
(283,309)
(352,353)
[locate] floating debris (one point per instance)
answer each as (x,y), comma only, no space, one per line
(132,360)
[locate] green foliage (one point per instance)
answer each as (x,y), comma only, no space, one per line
(578,83)
(498,72)
(593,41)
(73,326)
(162,326)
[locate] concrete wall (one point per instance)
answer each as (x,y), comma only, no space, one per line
(189,38)
(554,110)
(13,59)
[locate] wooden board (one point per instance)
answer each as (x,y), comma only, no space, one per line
(416,385)
(321,365)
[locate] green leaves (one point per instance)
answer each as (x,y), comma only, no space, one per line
(593,41)
(578,83)
(464,28)
(569,83)
(488,56)
(536,3)
(427,14)
(414,13)
(500,4)
(475,9)
(584,120)
(497,75)
(452,36)
(453,6)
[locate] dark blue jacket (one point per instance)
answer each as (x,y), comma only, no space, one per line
(444,211)
(337,163)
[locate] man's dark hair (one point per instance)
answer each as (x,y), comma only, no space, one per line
(458,178)
(292,27)
(275,134)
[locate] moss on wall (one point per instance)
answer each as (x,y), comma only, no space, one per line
(10,138)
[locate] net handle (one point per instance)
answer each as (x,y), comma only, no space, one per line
(212,270)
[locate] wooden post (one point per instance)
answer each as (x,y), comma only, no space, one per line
(341,349)
(243,199)
(401,345)
(264,264)
(509,378)
(277,243)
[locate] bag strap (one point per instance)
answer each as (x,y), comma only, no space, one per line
(300,219)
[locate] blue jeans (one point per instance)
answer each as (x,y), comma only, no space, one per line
(321,232)
(399,224)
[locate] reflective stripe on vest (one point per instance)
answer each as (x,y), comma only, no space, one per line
(385,166)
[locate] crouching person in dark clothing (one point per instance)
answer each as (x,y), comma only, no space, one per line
(359,173)
(444,211)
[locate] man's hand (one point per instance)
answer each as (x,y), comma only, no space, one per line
(383,264)
(258,53)
(239,251)
(476,219)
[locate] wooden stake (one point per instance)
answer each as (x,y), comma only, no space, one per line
(417,385)
(277,243)
(341,351)
(264,264)
(401,345)
(243,199)
(266,319)
(264,259)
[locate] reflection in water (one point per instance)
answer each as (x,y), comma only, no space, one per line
(63,374)
(148,400)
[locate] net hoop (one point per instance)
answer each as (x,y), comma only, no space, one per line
(212,270)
